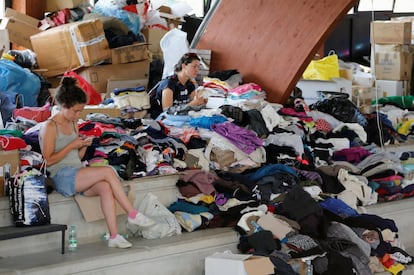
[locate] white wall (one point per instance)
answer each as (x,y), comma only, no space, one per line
(2,7)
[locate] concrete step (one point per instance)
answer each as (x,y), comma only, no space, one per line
(66,211)
(183,254)
(401,212)
(178,255)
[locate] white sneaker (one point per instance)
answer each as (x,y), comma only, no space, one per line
(119,242)
(141,220)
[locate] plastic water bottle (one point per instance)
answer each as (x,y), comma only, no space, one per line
(73,241)
(309,267)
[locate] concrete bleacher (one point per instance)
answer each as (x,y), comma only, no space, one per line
(182,255)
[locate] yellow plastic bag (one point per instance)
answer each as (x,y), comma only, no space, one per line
(322,69)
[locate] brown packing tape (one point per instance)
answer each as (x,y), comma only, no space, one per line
(81,45)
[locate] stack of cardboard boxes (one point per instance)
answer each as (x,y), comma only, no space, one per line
(391,64)
(80,46)
(392,56)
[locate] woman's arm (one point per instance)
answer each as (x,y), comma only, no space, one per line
(196,99)
(167,98)
(82,150)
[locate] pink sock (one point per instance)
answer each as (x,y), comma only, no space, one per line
(133,214)
(113,236)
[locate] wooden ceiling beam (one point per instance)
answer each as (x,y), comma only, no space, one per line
(270,42)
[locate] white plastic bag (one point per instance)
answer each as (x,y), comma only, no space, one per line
(174,45)
(166,223)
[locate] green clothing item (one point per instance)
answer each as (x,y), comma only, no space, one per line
(404,102)
(15,133)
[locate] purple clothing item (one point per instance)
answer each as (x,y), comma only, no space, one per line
(242,138)
(353,155)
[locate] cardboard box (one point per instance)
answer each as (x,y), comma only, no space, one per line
(237,264)
(99,75)
(407,19)
(112,112)
(362,79)
(173,21)
(11,157)
(4,41)
(346,73)
(393,62)
(362,95)
(91,206)
(391,32)
(387,88)
(312,90)
(55,5)
(153,37)
(124,83)
(130,53)
(19,27)
(71,46)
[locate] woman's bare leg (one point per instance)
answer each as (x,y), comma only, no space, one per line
(104,191)
(89,176)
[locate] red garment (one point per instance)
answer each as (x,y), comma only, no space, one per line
(131,8)
(89,128)
(387,261)
(323,125)
(38,114)
(8,143)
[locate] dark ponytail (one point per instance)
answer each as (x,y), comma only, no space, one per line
(69,93)
(185,59)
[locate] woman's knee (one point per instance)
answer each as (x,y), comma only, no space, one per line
(110,172)
(103,188)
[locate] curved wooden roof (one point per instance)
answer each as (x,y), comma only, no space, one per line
(269,41)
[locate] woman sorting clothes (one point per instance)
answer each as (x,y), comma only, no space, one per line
(63,148)
(179,89)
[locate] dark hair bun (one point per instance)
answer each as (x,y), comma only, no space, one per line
(69,81)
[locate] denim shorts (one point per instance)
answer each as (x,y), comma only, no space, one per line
(64,181)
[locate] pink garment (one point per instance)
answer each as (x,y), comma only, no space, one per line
(203,180)
(188,133)
(291,112)
(352,155)
(245,88)
(390,178)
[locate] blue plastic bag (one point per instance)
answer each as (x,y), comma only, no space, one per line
(15,79)
(114,9)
